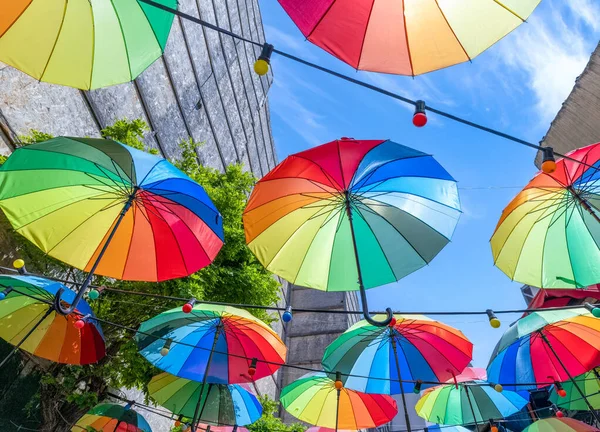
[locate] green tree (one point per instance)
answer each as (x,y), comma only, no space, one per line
(269,422)
(67,392)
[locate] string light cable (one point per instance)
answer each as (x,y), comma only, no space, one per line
(548,162)
(489,312)
(285,365)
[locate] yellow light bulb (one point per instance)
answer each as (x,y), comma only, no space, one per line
(261,67)
(498,388)
(495,323)
(18,263)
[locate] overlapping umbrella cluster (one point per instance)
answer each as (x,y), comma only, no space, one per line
(348,215)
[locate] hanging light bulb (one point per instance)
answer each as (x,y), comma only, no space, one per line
(548,160)
(81,322)
(497,387)
(494,321)
(417,388)
(261,66)
(166,347)
(420,116)
(287,315)
(494,428)
(595,310)
(559,389)
(187,308)
(560,414)
(4,293)
(338,381)
(93,294)
(19,264)
(252,368)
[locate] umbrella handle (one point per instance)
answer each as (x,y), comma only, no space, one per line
(58,304)
(367,315)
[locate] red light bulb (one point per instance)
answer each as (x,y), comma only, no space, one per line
(562,393)
(560,414)
(251,371)
(187,308)
(420,119)
(79,324)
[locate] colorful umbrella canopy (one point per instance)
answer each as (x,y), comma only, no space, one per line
(80,43)
(314,399)
(220,404)
(564,424)
(470,374)
(350,215)
(55,337)
(468,404)
(589,383)
(523,356)
(548,235)
(112,418)
(406,37)
(427,350)
(66,195)
(234,336)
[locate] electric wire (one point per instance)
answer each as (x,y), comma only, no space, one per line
(363,83)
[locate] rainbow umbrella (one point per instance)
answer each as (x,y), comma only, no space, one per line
(548,235)
(565,424)
(315,399)
(112,418)
(376,359)
(29,321)
(220,404)
(350,215)
(211,344)
(83,44)
(406,37)
(546,347)
(109,209)
(589,383)
(467,404)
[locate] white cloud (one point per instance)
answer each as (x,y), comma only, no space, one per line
(549,52)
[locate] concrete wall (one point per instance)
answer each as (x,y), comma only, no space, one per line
(309,333)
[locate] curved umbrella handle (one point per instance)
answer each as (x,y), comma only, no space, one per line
(367,315)
(58,307)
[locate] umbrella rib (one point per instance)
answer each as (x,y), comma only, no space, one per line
(327,175)
(124,40)
(363,181)
(47,214)
(381,247)
(181,254)
(407,196)
(509,10)
(117,169)
(62,21)
(515,224)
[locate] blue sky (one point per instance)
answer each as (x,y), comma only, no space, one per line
(516,86)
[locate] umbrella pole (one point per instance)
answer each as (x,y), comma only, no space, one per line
(361,286)
(196,418)
(471,406)
(406,416)
(57,302)
(337,410)
(587,402)
(29,333)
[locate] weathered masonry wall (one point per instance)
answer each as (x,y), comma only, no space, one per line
(202,88)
